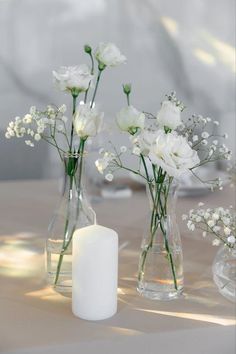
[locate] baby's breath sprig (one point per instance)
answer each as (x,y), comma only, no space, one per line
(218,222)
(41,125)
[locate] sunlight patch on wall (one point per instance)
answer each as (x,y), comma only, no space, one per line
(223,51)
(204,57)
(170,25)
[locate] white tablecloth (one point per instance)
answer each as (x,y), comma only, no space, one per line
(34,319)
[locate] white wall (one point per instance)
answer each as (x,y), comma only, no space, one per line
(183,45)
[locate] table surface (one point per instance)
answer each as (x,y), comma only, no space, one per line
(35,319)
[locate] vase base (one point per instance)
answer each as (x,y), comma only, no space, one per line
(159,295)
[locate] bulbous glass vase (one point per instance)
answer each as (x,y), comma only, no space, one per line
(224,272)
(160,274)
(73,212)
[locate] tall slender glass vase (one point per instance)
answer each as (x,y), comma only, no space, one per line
(160,274)
(74,212)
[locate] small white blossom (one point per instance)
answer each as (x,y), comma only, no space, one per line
(136,150)
(231,239)
(37,137)
(29,143)
(216,122)
(204,142)
(215,142)
(211,223)
(205,135)
(215,242)
(227,231)
(123,149)
(195,138)
(109,177)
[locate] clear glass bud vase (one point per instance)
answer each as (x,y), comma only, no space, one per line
(160,275)
(224,272)
(74,212)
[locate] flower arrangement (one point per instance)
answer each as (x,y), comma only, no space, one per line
(166,148)
(69,136)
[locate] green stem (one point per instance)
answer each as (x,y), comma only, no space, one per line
(96,87)
(72,125)
(66,244)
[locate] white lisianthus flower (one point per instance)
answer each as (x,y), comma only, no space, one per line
(173,153)
(108,54)
(73,78)
(87,121)
(169,115)
(129,119)
(145,140)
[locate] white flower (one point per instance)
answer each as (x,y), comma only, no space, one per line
(211,223)
(216,242)
(129,119)
(231,239)
(87,121)
(216,122)
(109,177)
(195,138)
(215,216)
(109,55)
(75,78)
(226,221)
(190,225)
(62,109)
(136,150)
(37,137)
(123,149)
(101,165)
(145,140)
(27,119)
(173,153)
(29,143)
(205,135)
(204,142)
(8,135)
(215,142)
(169,115)
(227,231)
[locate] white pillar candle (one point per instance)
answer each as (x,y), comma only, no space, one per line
(94,272)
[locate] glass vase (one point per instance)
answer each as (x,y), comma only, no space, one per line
(160,274)
(73,212)
(224,272)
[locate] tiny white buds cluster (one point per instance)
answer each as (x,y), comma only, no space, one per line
(219,222)
(38,125)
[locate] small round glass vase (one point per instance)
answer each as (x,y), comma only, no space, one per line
(224,272)
(73,212)
(160,275)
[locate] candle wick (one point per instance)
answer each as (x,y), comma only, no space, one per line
(94,215)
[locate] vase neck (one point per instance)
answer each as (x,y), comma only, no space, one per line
(162,196)
(74,171)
